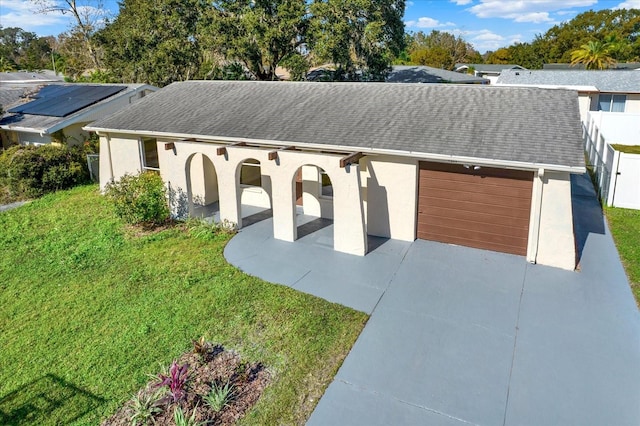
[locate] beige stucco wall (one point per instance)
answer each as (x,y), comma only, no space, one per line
(586,102)
(633,103)
(119,154)
(390,196)
(556,243)
(74,135)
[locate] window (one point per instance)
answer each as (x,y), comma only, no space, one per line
(326,189)
(250,173)
(149,154)
(611,103)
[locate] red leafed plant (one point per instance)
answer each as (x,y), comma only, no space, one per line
(175,381)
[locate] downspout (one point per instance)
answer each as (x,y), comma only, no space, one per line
(536,217)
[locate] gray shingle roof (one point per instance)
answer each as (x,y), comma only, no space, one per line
(424,74)
(507,124)
(625,81)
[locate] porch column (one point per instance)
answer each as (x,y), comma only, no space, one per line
(284,205)
(349,234)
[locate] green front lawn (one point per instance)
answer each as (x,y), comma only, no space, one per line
(87,311)
(625,228)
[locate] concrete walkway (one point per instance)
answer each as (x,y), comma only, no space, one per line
(460,336)
(5,207)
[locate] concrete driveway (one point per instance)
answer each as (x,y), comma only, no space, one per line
(463,336)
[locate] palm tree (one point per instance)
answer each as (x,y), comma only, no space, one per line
(595,55)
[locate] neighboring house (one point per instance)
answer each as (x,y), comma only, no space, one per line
(485,167)
(608,90)
(488,71)
(408,74)
(425,74)
(57,112)
(617,66)
(14,79)
(15,85)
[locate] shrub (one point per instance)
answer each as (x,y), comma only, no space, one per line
(219,396)
(144,406)
(139,199)
(30,171)
(175,381)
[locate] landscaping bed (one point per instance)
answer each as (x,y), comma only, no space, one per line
(218,388)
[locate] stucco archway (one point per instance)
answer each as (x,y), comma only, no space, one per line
(313,200)
(202,187)
(253,189)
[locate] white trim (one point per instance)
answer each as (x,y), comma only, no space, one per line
(442,158)
(534,217)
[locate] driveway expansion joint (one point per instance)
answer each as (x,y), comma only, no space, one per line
(402,401)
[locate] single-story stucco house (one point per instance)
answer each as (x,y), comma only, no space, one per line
(57,112)
(479,166)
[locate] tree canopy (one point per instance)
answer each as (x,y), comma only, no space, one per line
(357,35)
(20,49)
(440,50)
(557,45)
(155,42)
(261,34)
(167,40)
(593,55)
(87,15)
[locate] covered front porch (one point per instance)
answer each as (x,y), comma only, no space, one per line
(300,191)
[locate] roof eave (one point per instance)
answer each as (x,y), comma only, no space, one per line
(518,165)
(23,129)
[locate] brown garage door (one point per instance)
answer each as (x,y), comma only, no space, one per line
(486,208)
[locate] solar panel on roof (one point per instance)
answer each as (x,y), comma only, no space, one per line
(62,100)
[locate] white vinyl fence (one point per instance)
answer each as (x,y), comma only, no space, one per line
(616,174)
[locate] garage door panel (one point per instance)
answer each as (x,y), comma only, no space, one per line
(519,249)
(482,237)
(436,214)
(475,197)
(475,186)
(437,169)
(468,178)
(487,208)
(428,206)
(459,227)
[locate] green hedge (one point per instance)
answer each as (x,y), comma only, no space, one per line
(139,199)
(30,171)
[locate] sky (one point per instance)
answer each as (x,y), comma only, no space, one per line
(486,24)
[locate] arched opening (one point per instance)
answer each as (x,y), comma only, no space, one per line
(255,192)
(313,203)
(202,188)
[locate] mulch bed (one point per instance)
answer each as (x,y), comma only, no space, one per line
(215,365)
